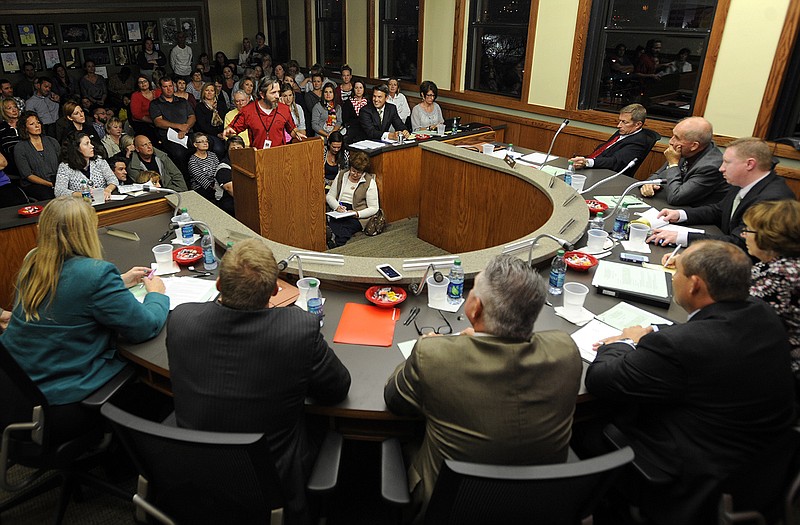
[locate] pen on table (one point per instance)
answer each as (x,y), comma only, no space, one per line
(672,255)
(166,235)
(411,316)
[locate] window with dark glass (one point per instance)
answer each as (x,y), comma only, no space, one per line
(646,51)
(399,37)
(278,24)
(498,34)
(330,34)
(785,127)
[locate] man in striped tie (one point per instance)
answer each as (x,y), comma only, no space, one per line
(631,141)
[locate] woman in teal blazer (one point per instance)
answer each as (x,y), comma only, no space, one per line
(70,304)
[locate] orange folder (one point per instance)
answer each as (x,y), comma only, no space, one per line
(364,324)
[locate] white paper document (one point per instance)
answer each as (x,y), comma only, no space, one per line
(130,189)
(623,315)
(367,144)
(537,158)
(340,214)
(630,278)
(172,136)
(591,333)
(655,223)
(406,347)
(182,290)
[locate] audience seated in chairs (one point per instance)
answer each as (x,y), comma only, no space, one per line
(146,157)
(209,119)
(172,114)
(80,163)
(37,157)
(298,116)
(336,157)
(326,117)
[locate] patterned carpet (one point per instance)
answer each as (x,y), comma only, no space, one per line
(399,239)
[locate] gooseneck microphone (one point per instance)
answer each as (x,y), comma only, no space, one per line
(560,129)
(617,174)
(151,188)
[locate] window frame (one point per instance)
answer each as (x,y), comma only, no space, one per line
(379,41)
(318,25)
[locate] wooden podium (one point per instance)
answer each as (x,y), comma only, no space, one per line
(279,193)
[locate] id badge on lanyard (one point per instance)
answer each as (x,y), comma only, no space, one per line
(267,144)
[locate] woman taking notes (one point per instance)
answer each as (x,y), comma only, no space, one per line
(79,164)
(70,304)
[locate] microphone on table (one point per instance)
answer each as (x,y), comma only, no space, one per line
(151,188)
(617,174)
(629,188)
(559,130)
(416,289)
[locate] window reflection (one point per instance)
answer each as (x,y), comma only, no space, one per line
(399,31)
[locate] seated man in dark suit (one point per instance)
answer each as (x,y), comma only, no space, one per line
(378,119)
(498,393)
(632,141)
(239,366)
(705,396)
(747,166)
(691,167)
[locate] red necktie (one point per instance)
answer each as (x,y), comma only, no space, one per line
(596,153)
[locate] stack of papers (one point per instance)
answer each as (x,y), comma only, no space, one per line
(630,278)
(367,145)
(651,215)
(538,158)
(181,290)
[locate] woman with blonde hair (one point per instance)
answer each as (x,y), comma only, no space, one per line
(71,305)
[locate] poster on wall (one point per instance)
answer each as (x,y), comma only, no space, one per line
(74,33)
(98,55)
(50,58)
(72,59)
(34,57)
(100,32)
(169,28)
(150,29)
(117,32)
(135,50)
(47,34)
(27,34)
(10,61)
(6,38)
(121,56)
(189,27)
(134,31)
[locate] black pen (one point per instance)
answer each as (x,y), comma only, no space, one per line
(411,316)
(166,235)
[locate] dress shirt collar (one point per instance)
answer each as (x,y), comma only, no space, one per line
(744,191)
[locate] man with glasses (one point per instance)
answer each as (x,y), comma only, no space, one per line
(497,393)
(747,166)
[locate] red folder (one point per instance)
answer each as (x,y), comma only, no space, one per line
(364,324)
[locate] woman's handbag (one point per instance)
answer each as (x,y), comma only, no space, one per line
(375,224)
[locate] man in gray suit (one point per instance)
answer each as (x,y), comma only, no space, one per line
(692,166)
(239,366)
(497,393)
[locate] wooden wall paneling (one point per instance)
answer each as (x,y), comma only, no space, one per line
(16,242)
(468,207)
(134,211)
(778,72)
(458,45)
(400,177)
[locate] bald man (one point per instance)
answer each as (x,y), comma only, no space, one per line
(692,166)
(148,158)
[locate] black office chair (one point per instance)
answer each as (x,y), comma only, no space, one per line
(764,490)
(28,440)
(192,476)
(469,493)
(652,138)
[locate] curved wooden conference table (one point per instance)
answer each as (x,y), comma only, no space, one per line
(363,415)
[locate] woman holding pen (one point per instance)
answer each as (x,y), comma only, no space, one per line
(71,304)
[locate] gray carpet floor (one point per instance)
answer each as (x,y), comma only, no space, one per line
(399,239)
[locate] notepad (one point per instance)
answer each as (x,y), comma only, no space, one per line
(363,324)
(591,333)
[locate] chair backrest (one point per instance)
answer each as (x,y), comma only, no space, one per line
(652,138)
(468,493)
(200,477)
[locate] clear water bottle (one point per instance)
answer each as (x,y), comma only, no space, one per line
(187,230)
(597,222)
(558,272)
(456,287)
(569,173)
(86,191)
(621,223)
(510,148)
(314,302)
(207,243)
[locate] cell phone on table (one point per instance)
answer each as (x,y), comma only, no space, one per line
(388,272)
(634,258)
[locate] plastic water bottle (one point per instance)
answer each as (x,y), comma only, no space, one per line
(314,302)
(621,223)
(456,287)
(510,148)
(598,222)
(86,191)
(209,261)
(569,173)
(558,272)
(187,230)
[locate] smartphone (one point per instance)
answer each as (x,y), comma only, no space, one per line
(634,258)
(388,272)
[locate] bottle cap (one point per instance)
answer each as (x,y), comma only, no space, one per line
(625,205)
(457,262)
(560,253)
(599,214)
(184,210)
(205,232)
(312,284)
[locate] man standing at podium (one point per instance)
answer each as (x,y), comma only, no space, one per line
(268,121)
